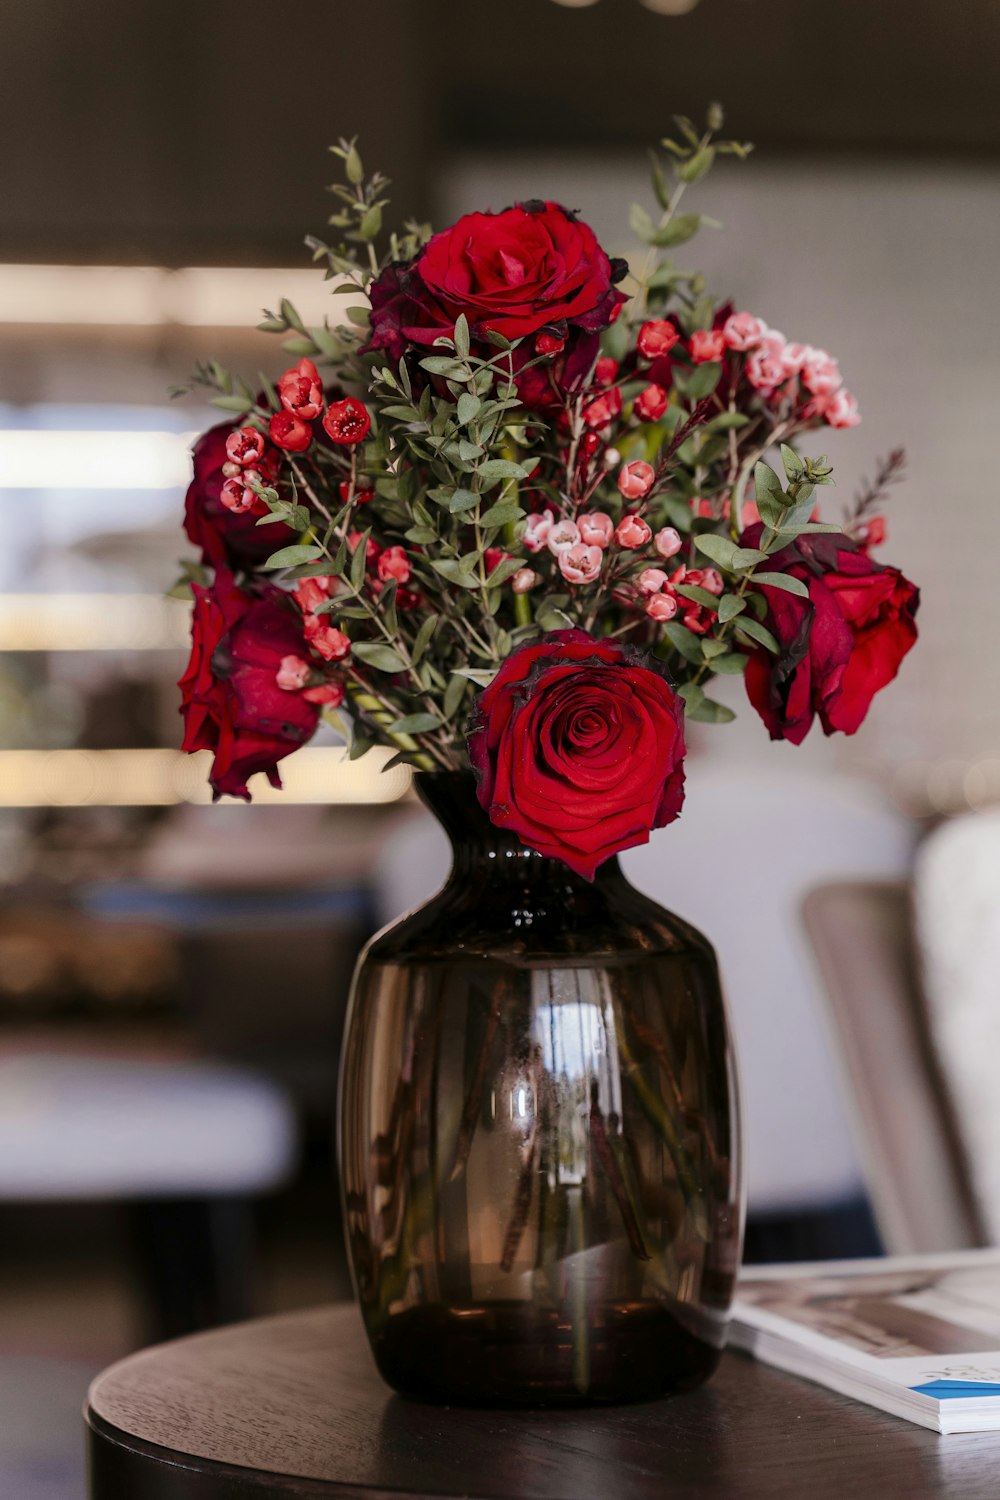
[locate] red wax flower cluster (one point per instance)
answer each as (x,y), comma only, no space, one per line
(524,490)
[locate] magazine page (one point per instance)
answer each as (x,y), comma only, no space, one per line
(918,1335)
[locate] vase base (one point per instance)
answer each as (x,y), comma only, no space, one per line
(516,1354)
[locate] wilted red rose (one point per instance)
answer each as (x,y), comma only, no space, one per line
(839,646)
(231,698)
(533,266)
(578,747)
(226,536)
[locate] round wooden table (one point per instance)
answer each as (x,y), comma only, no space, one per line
(292,1407)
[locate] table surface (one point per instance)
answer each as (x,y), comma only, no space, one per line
(293,1406)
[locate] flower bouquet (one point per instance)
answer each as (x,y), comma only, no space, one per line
(510,516)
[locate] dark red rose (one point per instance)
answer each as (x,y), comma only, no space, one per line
(578,747)
(533,266)
(839,646)
(230,695)
(223,535)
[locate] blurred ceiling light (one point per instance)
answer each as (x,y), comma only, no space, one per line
(37,459)
(575,4)
(669,7)
(92,622)
(161,778)
(153,296)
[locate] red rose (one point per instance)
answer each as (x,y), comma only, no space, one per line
(839,646)
(578,747)
(225,536)
(534,266)
(231,697)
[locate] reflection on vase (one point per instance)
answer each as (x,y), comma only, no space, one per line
(538,1134)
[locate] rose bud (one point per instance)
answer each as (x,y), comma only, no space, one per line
(656,338)
(363,491)
(667,542)
(245,447)
(606,370)
(841,410)
(596,528)
(329,694)
(536,531)
(706,345)
(563,536)
(524,580)
(636,479)
(347,421)
(632,532)
(394,563)
(549,343)
(293,674)
(237,497)
(603,409)
(325,639)
(651,403)
(661,607)
(821,373)
(289,433)
(581,564)
(300,391)
(872,533)
(651,580)
(743,331)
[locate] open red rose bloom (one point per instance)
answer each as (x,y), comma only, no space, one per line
(511,513)
(579,749)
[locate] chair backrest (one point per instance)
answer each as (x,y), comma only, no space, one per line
(862,936)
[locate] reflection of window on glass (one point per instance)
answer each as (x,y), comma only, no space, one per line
(580,1053)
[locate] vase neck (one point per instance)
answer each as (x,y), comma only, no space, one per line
(484,854)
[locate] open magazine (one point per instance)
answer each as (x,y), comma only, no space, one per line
(918,1335)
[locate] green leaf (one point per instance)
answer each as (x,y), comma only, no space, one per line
(704,710)
(504,570)
(461,336)
(468,407)
(498,340)
(641,224)
(423,639)
(711,648)
(732,664)
(809,528)
(719,548)
(771,500)
(359,560)
(371,222)
(503,513)
(421,536)
(291,557)
(783,581)
(456,572)
(238,404)
(730,605)
(353,169)
(684,641)
(360,745)
(440,364)
(681,228)
(792,462)
(759,633)
(748,557)
(702,380)
(697,165)
(461,501)
(727,421)
(698,595)
(382,658)
(496,469)
(454,694)
(415,724)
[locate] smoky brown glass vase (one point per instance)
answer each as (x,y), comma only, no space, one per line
(538,1134)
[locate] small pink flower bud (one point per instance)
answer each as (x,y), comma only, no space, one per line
(667,542)
(580,564)
(612,458)
(651,580)
(661,607)
(330,694)
(651,403)
(596,528)
(231,470)
(706,345)
(743,331)
(765,371)
(524,580)
(711,580)
(841,410)
(636,479)
(606,370)
(293,674)
(237,497)
(821,373)
(331,644)
(632,532)
(394,563)
(562,536)
(536,530)
(657,337)
(245,446)
(603,409)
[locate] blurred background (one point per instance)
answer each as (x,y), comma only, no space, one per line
(173,975)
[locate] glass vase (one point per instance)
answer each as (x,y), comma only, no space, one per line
(538,1133)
